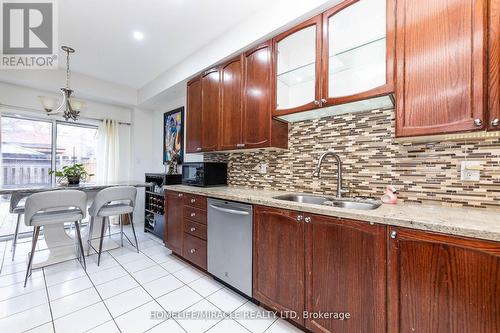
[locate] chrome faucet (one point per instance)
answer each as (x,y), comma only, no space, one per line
(317,171)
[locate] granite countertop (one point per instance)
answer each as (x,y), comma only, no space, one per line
(468,222)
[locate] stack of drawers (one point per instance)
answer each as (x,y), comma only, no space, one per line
(195,230)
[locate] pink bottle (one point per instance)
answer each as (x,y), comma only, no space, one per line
(390,196)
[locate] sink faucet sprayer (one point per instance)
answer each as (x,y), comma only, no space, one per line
(317,171)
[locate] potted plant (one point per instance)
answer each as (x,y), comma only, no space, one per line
(72,173)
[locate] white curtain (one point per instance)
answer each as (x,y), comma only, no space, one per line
(108,151)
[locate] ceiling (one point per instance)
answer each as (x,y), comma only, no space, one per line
(101,32)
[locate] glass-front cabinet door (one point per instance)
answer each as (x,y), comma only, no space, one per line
(297,67)
(355,51)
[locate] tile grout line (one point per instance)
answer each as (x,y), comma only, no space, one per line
(30,308)
(202,299)
(102,300)
(154,299)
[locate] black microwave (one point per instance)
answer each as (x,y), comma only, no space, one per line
(204,173)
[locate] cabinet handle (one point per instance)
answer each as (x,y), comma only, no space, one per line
(240,145)
(198,149)
(495,122)
(300,218)
(307,219)
(192,250)
(192,229)
(324,101)
(193,200)
(193,214)
(179,195)
(316,103)
(478,122)
(394,234)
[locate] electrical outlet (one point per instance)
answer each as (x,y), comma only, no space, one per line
(263,168)
(470,171)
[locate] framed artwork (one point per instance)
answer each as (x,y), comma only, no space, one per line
(173,135)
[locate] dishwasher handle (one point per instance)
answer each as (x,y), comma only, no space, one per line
(229,211)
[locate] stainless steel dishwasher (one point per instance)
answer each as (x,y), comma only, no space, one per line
(230,243)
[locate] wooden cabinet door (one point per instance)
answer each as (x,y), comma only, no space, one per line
(297,68)
(256,97)
(494,65)
(440,283)
(278,259)
(440,65)
(345,272)
(193,116)
(210,109)
(231,104)
(174,226)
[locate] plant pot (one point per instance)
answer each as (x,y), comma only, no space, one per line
(75,180)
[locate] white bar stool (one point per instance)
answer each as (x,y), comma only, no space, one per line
(110,202)
(16,207)
(53,207)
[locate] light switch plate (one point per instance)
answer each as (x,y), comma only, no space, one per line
(470,171)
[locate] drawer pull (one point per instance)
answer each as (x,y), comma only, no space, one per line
(193,200)
(193,229)
(192,250)
(179,195)
(193,214)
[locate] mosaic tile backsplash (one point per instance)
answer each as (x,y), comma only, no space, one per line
(372,159)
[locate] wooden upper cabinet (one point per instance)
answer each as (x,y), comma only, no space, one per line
(256,97)
(440,65)
(231,104)
(278,259)
(174,217)
(193,116)
(358,51)
(345,272)
(440,283)
(297,68)
(210,109)
(494,65)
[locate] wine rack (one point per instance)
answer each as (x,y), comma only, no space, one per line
(154,202)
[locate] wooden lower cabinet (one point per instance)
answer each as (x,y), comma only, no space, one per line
(345,274)
(278,259)
(440,283)
(174,229)
(186,226)
(320,264)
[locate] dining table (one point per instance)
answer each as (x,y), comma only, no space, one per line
(59,240)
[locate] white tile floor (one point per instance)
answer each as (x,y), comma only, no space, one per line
(121,294)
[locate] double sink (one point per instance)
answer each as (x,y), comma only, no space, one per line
(359,204)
